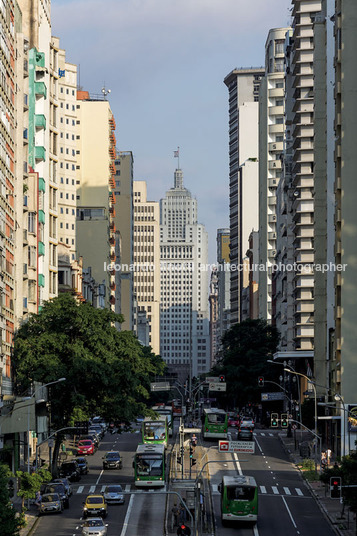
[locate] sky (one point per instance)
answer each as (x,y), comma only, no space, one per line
(164,62)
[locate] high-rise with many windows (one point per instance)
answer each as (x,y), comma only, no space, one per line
(184,316)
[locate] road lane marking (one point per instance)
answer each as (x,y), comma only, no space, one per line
(92,489)
(271,435)
(263,489)
(291,517)
(127,487)
(102,489)
(298,491)
(262,434)
(259,447)
(80,489)
(287,491)
(214,487)
(128,512)
(99,477)
(275,490)
(239,469)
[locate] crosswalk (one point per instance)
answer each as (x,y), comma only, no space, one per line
(99,489)
(271,490)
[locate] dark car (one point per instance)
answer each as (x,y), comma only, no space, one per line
(82,465)
(66,484)
(70,470)
(112,460)
(245,433)
(57,487)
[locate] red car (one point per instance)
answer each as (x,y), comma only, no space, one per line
(85,446)
(233,419)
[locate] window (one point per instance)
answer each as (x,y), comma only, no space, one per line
(31,222)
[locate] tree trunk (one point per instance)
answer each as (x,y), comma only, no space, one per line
(56,449)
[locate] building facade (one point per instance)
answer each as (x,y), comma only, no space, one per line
(184,315)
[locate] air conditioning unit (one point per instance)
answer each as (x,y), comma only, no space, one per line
(274,145)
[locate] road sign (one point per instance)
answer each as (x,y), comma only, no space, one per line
(212,379)
(160,386)
(51,443)
(192,430)
(213,386)
(294,426)
(236,446)
(272,396)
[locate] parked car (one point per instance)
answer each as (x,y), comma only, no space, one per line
(94,527)
(95,505)
(82,465)
(70,470)
(112,460)
(233,419)
(50,504)
(113,494)
(59,488)
(85,446)
(66,484)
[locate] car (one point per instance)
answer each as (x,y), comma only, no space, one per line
(233,419)
(245,433)
(70,470)
(95,505)
(57,487)
(85,446)
(247,422)
(113,494)
(82,465)
(94,527)
(93,436)
(50,504)
(112,460)
(97,428)
(66,484)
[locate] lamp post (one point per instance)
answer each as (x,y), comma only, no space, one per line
(339,398)
(28,416)
(298,385)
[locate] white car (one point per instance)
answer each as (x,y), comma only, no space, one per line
(113,494)
(247,422)
(94,527)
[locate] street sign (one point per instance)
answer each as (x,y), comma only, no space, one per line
(294,426)
(272,396)
(217,386)
(160,386)
(236,446)
(211,379)
(192,430)
(51,443)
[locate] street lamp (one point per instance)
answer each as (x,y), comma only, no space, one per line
(28,416)
(339,398)
(298,385)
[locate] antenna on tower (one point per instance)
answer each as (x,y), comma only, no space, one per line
(105,91)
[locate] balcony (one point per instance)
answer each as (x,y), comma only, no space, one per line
(40,89)
(41,248)
(40,121)
(41,280)
(41,216)
(40,153)
(40,59)
(41,184)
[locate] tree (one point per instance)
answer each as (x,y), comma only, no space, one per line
(9,522)
(246,348)
(29,483)
(107,372)
(347,470)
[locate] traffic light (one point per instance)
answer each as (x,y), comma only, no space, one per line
(274,420)
(335,487)
(261,381)
(179,460)
(191,452)
(284,420)
(193,461)
(222,378)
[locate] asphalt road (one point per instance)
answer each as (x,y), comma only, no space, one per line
(286,507)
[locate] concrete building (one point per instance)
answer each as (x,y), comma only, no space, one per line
(342,367)
(146,255)
(95,228)
(7,192)
(213,317)
(124,224)
(243,87)
(271,142)
(184,316)
(223,283)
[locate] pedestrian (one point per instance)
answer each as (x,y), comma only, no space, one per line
(194,441)
(328,455)
(323,460)
(176,513)
(182,515)
(38,499)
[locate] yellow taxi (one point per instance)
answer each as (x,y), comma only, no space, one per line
(95,505)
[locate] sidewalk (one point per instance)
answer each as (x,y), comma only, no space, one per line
(331,508)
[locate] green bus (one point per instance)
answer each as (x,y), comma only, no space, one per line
(149,466)
(214,423)
(239,499)
(155,431)
(167,411)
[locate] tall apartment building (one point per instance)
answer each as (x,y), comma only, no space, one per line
(67,151)
(342,369)
(243,87)
(146,256)
(271,142)
(7,191)
(213,316)
(95,227)
(124,223)
(184,316)
(223,285)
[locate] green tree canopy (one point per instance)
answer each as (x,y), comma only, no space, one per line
(107,372)
(246,348)
(8,521)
